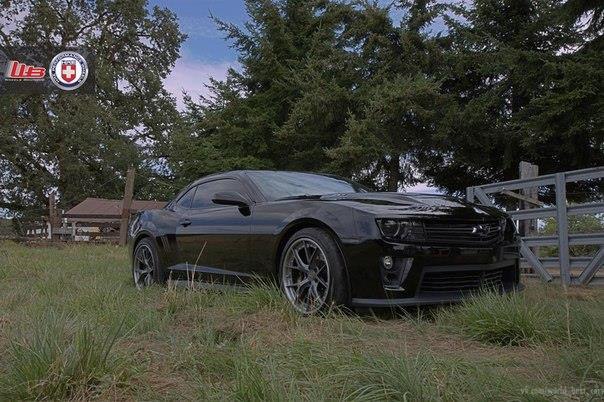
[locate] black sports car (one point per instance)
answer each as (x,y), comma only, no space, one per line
(327,240)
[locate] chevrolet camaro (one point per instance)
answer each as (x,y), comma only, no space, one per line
(326,240)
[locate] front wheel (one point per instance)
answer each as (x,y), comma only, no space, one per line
(146,268)
(311,271)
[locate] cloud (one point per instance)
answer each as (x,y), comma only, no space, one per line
(423,188)
(192,76)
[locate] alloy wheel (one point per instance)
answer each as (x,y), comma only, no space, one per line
(305,275)
(144,266)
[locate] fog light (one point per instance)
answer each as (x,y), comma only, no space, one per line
(388,262)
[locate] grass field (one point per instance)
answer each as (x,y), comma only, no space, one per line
(73,327)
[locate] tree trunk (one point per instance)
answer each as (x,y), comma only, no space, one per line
(393,174)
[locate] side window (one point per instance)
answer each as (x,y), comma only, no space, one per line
(205,192)
(185,200)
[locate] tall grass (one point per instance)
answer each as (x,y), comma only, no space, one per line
(60,359)
(586,363)
(514,319)
(189,342)
(394,377)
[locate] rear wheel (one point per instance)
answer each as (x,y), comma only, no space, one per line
(311,271)
(146,267)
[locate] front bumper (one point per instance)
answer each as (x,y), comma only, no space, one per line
(427,274)
(417,301)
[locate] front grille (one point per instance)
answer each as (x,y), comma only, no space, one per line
(466,281)
(463,233)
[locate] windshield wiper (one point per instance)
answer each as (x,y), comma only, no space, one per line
(301,197)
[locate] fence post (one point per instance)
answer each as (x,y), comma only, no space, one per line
(52,221)
(126,203)
(470,194)
(562,224)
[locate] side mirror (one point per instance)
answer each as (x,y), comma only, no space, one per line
(230,198)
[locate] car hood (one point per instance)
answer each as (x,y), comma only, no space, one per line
(413,204)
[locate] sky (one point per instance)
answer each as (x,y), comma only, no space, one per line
(206,53)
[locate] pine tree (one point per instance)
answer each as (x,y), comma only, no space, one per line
(403,111)
(238,125)
(525,92)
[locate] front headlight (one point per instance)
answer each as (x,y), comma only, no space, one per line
(400,229)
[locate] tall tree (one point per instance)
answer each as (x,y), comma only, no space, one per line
(339,86)
(524,90)
(82,144)
(322,86)
(237,125)
(403,111)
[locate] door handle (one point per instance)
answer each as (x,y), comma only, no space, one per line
(185,222)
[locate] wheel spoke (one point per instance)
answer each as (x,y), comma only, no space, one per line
(314,293)
(322,282)
(308,296)
(313,257)
(319,270)
(299,259)
(314,290)
(298,284)
(300,269)
(302,292)
(307,254)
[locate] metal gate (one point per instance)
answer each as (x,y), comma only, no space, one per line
(561,210)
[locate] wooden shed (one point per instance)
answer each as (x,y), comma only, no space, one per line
(99,217)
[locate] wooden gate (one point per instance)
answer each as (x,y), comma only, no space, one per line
(560,211)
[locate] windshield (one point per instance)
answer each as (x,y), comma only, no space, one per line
(281,185)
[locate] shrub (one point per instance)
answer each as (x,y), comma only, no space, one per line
(576,224)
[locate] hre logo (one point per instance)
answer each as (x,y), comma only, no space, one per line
(21,71)
(68,70)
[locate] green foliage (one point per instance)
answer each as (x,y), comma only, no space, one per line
(342,87)
(363,89)
(82,144)
(576,224)
(585,363)
(506,320)
(526,81)
(394,378)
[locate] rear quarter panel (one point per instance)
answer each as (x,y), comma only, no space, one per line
(160,225)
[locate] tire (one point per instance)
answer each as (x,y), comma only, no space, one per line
(315,285)
(145,254)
